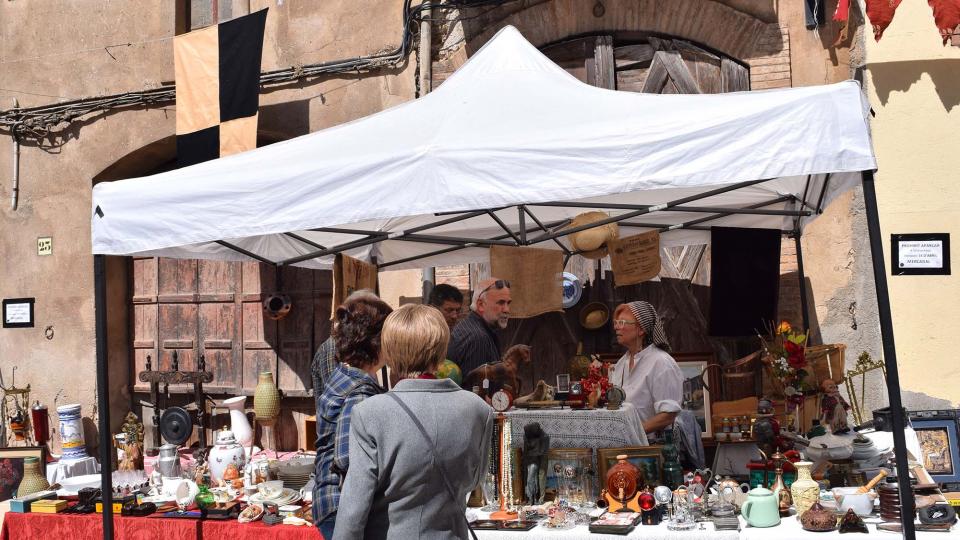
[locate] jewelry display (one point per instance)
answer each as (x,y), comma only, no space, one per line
(506,477)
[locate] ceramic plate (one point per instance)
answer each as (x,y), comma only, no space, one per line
(572,289)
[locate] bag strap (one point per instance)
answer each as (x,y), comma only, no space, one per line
(436,461)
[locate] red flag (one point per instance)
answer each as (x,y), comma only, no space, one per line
(881,14)
(946,14)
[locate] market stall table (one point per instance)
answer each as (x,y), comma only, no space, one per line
(581,428)
(90,526)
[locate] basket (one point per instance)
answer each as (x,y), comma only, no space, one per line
(823,362)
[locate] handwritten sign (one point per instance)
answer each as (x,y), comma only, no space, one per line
(635,259)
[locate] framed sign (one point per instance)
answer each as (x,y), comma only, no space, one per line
(920,254)
(18,313)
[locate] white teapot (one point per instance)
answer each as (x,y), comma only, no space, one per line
(226,451)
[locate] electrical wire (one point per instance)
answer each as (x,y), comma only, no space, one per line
(41,121)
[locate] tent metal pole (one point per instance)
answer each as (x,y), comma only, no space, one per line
(693,223)
(823,193)
(504,227)
(647,210)
(889,354)
(566,251)
(242,251)
(522,220)
(692,209)
(804,309)
(456,240)
(306,241)
(103,392)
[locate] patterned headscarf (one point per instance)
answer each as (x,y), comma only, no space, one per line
(652,325)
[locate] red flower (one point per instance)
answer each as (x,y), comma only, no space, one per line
(795,355)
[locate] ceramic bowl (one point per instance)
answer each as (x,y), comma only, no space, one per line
(271,489)
(847,498)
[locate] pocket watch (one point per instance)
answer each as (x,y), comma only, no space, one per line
(501,400)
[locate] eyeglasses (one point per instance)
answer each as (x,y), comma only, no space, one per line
(498,284)
(620,323)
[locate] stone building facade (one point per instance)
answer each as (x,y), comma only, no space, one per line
(74,49)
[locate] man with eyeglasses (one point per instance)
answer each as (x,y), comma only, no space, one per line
(473,341)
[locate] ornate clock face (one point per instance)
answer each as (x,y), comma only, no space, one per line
(501,400)
(616,396)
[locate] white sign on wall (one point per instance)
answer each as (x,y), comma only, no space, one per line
(18,313)
(921,254)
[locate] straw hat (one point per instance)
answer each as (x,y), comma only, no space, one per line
(593,242)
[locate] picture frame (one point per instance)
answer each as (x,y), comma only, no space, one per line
(18,312)
(698,378)
(11,467)
(648,459)
(920,254)
(940,447)
(563,383)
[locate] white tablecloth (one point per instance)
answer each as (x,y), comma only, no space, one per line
(572,428)
(789,529)
(68,469)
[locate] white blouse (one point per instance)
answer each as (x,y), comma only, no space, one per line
(654,385)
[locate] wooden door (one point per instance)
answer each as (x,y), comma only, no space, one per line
(215,309)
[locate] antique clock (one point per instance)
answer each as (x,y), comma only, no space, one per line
(501,400)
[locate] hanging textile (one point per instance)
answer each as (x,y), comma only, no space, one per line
(217,72)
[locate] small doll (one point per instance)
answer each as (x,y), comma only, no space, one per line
(833,408)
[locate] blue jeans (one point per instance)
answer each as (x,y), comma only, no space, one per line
(326,527)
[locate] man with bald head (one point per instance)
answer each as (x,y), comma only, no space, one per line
(473,341)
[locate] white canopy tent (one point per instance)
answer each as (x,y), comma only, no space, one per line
(509,137)
(509,128)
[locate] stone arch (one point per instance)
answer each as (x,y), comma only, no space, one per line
(751,38)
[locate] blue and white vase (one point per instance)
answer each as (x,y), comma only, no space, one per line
(71,432)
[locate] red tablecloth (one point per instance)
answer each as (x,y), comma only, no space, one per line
(90,526)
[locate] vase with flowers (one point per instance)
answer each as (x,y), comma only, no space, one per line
(785,357)
(595,384)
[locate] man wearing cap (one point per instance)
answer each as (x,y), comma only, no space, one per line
(473,341)
(647,373)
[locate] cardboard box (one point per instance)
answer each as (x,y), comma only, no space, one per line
(48,506)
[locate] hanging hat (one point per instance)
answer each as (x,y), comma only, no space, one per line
(592,242)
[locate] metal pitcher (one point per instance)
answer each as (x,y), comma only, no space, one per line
(169,461)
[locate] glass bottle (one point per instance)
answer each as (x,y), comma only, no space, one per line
(672,472)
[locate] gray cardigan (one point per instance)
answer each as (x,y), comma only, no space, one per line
(393,489)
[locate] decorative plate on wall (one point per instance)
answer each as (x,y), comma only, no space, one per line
(572,290)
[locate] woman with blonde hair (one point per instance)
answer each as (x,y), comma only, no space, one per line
(417,451)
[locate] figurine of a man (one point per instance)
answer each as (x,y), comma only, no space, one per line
(536,445)
(833,408)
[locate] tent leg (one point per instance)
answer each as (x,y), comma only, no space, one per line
(804,309)
(889,354)
(103,393)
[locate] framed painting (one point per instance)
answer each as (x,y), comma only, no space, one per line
(649,459)
(696,391)
(11,467)
(939,448)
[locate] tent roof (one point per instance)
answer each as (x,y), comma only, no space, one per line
(509,129)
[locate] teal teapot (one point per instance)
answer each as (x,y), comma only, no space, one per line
(761,508)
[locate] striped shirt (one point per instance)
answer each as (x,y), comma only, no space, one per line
(472,344)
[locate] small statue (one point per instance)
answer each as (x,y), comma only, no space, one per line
(833,408)
(200,474)
(132,430)
(536,445)
(766,429)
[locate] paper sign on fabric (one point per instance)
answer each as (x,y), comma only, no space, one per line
(535,276)
(635,259)
(349,275)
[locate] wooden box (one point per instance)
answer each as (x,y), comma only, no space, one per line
(48,506)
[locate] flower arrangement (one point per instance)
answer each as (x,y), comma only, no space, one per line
(785,354)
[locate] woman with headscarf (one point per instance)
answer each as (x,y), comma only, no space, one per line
(647,373)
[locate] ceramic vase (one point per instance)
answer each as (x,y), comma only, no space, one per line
(33,480)
(805,490)
(71,433)
(226,451)
(266,398)
(239,424)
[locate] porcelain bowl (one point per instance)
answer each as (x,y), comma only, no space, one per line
(847,497)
